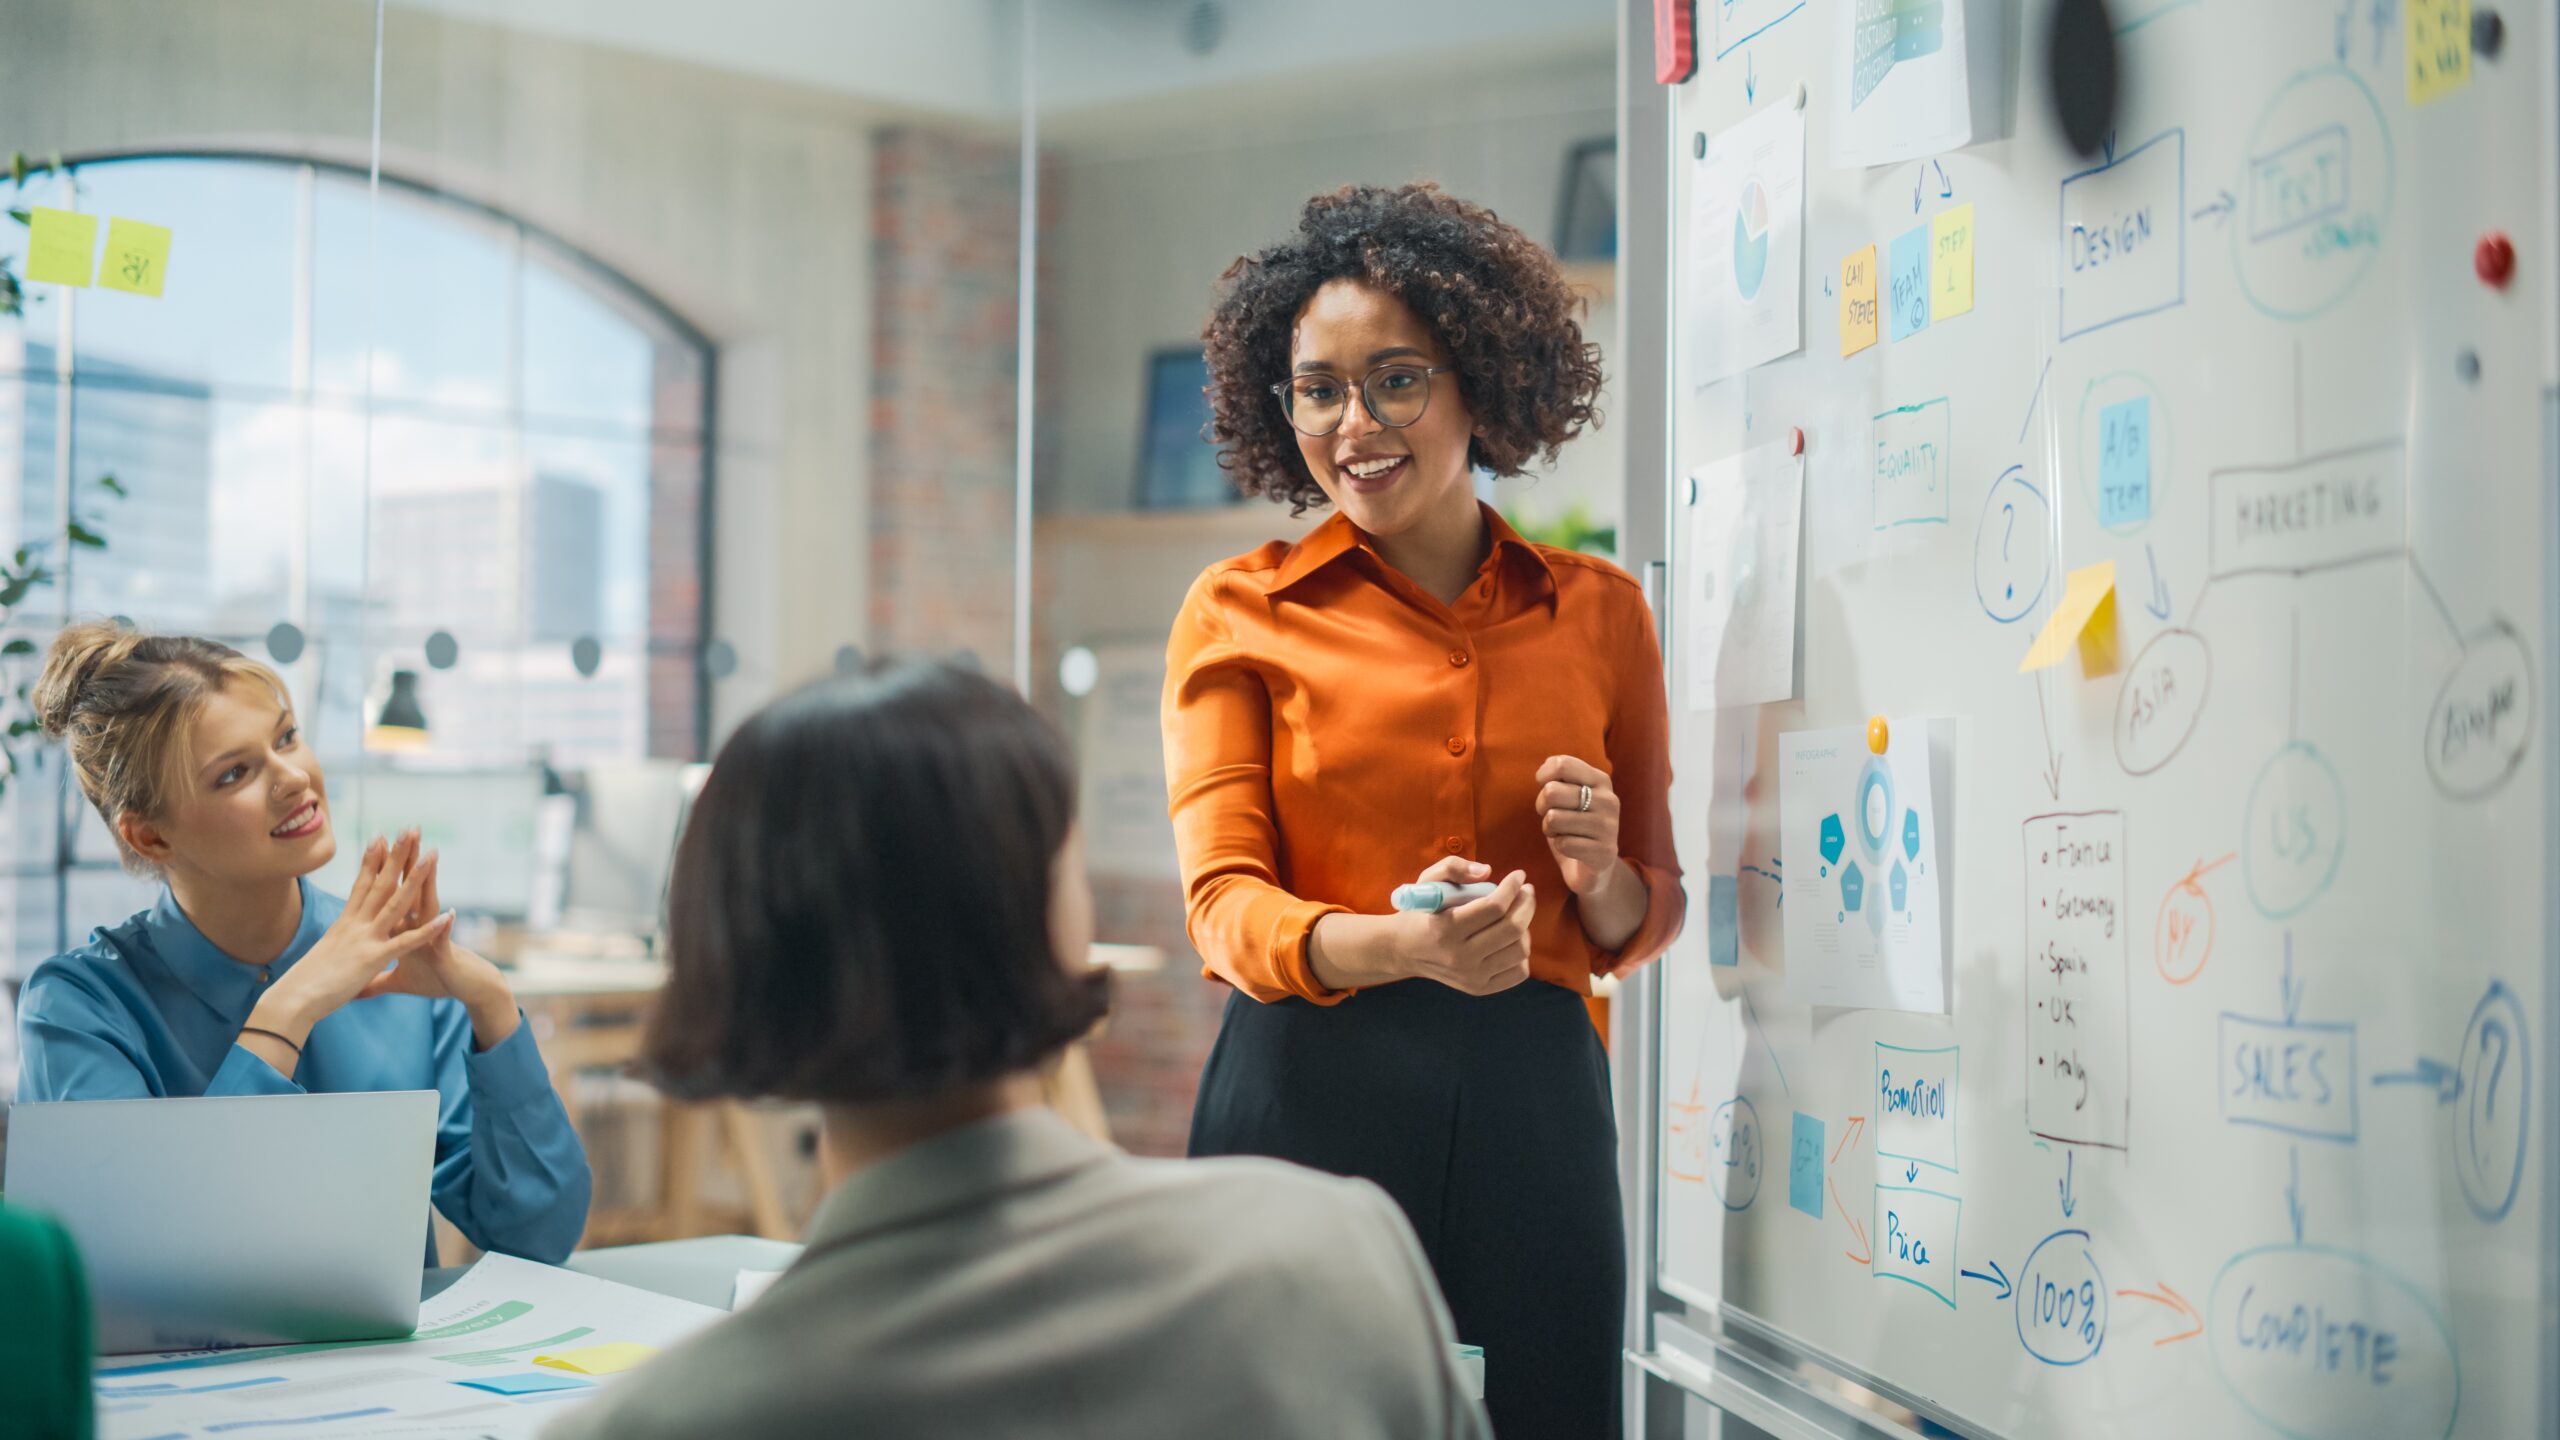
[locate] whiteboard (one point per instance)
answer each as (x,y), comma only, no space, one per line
(2292,1176)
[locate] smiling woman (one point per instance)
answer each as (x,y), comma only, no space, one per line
(243,979)
(1412,687)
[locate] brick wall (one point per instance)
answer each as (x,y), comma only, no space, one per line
(1147,1058)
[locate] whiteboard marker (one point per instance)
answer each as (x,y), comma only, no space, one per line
(1433,895)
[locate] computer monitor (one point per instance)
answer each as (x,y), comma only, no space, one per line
(481,824)
(629,814)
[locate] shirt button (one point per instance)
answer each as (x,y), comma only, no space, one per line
(1458,657)
(1457,845)
(1457,746)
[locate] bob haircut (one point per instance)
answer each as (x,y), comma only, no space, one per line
(860,904)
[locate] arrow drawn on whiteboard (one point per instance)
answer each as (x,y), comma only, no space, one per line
(2177,1303)
(2292,992)
(1855,1229)
(2431,1074)
(2293,1194)
(2052,757)
(1751,77)
(2158,604)
(1848,1136)
(1946,187)
(2069,1203)
(2220,209)
(1996,1277)
(1911,1173)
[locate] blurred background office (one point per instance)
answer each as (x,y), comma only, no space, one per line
(542,385)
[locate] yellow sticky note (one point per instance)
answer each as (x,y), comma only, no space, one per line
(610,1359)
(2439,46)
(2087,617)
(1951,262)
(1858,301)
(137,257)
(61,245)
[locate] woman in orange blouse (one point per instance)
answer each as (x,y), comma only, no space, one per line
(1413,691)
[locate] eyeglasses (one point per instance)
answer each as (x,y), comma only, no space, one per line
(1396,396)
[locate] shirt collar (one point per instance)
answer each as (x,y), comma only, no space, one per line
(1338,537)
(968,1166)
(217,979)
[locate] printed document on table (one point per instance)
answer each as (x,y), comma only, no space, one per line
(1743,276)
(1738,610)
(1866,885)
(470,1368)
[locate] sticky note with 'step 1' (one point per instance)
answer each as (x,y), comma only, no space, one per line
(62,246)
(2439,45)
(1858,301)
(610,1359)
(1951,263)
(2087,616)
(137,257)
(1804,1166)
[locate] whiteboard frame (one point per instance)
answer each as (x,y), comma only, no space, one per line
(1659,1374)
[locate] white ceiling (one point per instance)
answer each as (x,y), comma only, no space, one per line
(964,57)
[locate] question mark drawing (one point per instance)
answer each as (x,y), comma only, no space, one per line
(2009,511)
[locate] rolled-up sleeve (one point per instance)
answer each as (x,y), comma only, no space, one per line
(1640,768)
(510,1172)
(1217,759)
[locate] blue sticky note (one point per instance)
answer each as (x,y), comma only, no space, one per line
(1724,913)
(2124,462)
(1908,291)
(1804,1167)
(525,1384)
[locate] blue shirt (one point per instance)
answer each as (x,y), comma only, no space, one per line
(152,1009)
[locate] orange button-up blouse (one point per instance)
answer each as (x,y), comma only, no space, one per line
(1331,729)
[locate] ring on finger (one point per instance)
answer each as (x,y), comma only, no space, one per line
(1586,799)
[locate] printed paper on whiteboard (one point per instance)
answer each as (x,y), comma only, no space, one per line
(1858,835)
(1739,604)
(1900,85)
(1745,267)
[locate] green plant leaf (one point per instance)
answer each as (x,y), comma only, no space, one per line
(79,534)
(112,486)
(19,646)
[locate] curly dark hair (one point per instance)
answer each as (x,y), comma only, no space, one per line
(1494,298)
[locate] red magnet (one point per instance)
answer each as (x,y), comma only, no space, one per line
(2494,259)
(1795,440)
(1675,40)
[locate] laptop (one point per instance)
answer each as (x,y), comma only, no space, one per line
(236,1219)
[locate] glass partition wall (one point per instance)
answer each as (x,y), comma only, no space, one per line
(542,385)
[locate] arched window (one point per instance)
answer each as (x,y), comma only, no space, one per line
(424,435)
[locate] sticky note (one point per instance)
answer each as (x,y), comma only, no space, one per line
(61,246)
(2124,462)
(1908,285)
(1724,913)
(528,1383)
(2439,46)
(1804,1167)
(137,257)
(610,1359)
(1951,262)
(1858,301)
(2087,617)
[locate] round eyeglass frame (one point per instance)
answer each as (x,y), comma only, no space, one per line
(1280,392)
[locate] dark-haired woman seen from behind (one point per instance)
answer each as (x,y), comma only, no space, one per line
(1414,691)
(880,905)
(245,980)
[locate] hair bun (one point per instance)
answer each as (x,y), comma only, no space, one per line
(78,654)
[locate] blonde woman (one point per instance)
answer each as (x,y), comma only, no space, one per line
(243,979)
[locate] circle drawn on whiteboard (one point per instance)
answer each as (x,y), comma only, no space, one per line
(284,642)
(1733,1164)
(2317,194)
(587,654)
(1750,240)
(2296,831)
(2493,1080)
(442,650)
(2011,548)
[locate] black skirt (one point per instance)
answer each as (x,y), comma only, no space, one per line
(1488,1119)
